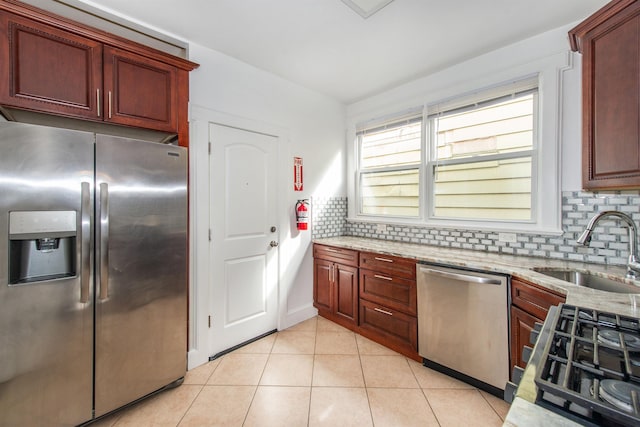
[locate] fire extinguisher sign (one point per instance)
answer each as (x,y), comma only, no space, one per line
(297,174)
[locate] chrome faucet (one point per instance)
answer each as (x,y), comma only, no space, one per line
(633,266)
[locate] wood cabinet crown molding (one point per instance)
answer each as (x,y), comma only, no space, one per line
(609,10)
(35,14)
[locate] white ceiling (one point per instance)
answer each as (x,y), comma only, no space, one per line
(325,46)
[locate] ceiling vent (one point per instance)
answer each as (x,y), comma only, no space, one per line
(366,8)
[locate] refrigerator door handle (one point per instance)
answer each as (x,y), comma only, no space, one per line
(85,240)
(104,241)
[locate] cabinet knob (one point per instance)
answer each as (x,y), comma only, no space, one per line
(273,244)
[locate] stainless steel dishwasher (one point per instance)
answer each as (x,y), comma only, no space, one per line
(463,324)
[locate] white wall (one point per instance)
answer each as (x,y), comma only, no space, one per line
(311,126)
(490,69)
(314,126)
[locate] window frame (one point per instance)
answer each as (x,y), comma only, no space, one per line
(409,117)
(490,97)
(546,213)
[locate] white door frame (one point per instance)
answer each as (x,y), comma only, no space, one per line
(199,286)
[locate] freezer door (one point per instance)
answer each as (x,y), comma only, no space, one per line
(141,269)
(46,308)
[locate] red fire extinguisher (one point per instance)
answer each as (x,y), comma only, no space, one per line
(302,214)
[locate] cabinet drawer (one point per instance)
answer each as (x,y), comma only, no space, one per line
(393,292)
(393,327)
(335,254)
(533,299)
(391,265)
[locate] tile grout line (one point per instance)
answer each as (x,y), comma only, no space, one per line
(364,381)
(201,390)
(313,365)
(492,407)
(192,402)
(255,391)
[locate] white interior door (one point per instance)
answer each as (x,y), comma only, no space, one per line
(244,238)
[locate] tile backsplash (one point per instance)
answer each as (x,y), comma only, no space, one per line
(609,245)
(328,216)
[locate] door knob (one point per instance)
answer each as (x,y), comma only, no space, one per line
(273,244)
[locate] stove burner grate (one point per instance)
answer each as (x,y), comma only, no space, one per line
(590,358)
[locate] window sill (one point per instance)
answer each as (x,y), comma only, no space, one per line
(519,228)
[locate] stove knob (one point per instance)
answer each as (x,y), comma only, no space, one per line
(512,386)
(526,353)
(516,374)
(533,336)
(510,391)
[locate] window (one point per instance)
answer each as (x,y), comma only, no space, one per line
(390,161)
(480,159)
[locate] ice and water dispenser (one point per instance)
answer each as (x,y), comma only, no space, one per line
(42,246)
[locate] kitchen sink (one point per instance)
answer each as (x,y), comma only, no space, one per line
(589,280)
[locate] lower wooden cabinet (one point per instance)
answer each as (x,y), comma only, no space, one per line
(374,295)
(529,304)
(335,285)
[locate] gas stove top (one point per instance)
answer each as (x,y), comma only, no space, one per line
(589,368)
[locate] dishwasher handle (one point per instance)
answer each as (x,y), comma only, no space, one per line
(461,277)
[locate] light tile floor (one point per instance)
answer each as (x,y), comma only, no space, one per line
(316,373)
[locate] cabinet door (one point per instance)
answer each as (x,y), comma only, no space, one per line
(521,327)
(322,271)
(611,102)
(346,292)
(49,70)
(139,91)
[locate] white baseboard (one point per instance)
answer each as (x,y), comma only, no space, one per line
(196,358)
(299,315)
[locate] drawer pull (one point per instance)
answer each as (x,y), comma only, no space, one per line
(383,259)
(379,310)
(377,276)
(331,250)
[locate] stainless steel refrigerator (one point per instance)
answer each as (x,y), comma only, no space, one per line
(93,273)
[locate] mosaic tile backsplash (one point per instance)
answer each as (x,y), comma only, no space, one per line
(328,217)
(609,245)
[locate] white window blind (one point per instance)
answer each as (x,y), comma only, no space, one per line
(389,167)
(482,154)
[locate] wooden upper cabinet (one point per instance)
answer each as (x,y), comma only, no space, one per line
(49,70)
(54,65)
(609,41)
(139,91)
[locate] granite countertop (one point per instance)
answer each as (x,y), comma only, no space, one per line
(519,266)
(522,413)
